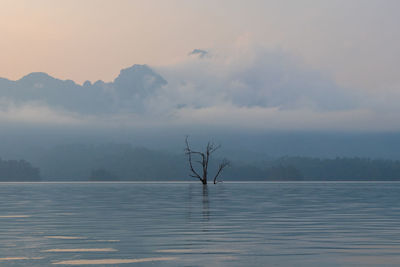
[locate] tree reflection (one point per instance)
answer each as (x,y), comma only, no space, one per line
(205,202)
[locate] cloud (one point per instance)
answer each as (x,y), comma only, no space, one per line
(199,52)
(38,114)
(254,78)
(239,87)
(260,118)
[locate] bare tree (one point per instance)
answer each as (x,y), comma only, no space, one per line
(203,159)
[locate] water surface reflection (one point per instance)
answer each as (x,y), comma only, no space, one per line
(186,224)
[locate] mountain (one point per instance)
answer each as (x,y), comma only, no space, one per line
(126,92)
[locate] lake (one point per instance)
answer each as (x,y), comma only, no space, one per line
(184,224)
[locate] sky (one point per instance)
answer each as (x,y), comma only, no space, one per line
(255,64)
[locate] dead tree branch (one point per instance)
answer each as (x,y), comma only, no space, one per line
(222,165)
(189,153)
(203,161)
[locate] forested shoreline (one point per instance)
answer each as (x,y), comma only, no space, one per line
(128,163)
(18,170)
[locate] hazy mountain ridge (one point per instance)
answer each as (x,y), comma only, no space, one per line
(140,108)
(126,92)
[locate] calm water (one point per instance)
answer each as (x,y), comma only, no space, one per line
(182,224)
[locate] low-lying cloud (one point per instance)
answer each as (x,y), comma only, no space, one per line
(239,88)
(254,79)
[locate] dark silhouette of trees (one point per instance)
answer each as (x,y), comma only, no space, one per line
(203,158)
(18,171)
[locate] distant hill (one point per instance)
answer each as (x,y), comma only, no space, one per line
(127,92)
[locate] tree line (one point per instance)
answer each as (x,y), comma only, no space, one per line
(18,171)
(143,164)
(128,163)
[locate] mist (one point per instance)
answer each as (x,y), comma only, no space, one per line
(257,103)
(244,88)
